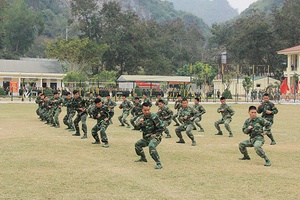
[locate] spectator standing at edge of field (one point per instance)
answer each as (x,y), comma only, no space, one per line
(126,106)
(177,107)
(152,128)
(165,115)
(256,128)
(186,115)
(79,105)
(101,114)
(200,111)
(111,105)
(227,112)
(70,112)
(268,111)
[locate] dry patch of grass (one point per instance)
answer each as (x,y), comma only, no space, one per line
(41,162)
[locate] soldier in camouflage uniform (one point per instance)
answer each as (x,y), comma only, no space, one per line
(187,115)
(101,114)
(56,105)
(39,100)
(177,107)
(136,111)
(165,115)
(146,99)
(79,105)
(255,127)
(90,104)
(126,106)
(227,112)
(268,111)
(111,105)
(159,97)
(152,128)
(200,111)
(70,112)
(45,110)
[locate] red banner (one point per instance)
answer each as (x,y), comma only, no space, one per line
(13,86)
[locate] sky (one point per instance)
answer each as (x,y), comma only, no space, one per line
(241,5)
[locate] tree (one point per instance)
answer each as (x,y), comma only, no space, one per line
(247,84)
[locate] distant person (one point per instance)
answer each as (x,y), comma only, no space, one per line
(200,111)
(256,128)
(227,112)
(165,115)
(268,111)
(79,105)
(218,94)
(126,106)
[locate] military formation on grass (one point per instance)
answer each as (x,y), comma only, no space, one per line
(152,125)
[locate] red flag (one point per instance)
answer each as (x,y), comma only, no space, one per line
(284,86)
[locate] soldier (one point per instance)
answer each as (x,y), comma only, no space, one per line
(56,105)
(177,107)
(45,109)
(101,114)
(165,115)
(39,100)
(253,127)
(136,111)
(187,115)
(126,106)
(159,97)
(268,111)
(227,112)
(146,99)
(90,104)
(152,128)
(111,105)
(79,105)
(200,111)
(70,112)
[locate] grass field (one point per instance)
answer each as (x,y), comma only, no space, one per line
(41,162)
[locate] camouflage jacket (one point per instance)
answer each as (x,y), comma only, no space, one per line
(151,125)
(126,106)
(79,103)
(165,113)
(68,103)
(177,105)
(111,105)
(259,125)
(189,112)
(267,106)
(136,110)
(228,111)
(90,101)
(199,109)
(104,113)
(147,100)
(56,102)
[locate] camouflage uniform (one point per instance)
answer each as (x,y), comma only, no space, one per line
(147,100)
(256,138)
(187,124)
(269,117)
(226,118)
(70,113)
(37,100)
(81,116)
(56,104)
(151,125)
(90,105)
(177,107)
(165,101)
(126,106)
(101,125)
(165,115)
(45,110)
(136,111)
(111,105)
(200,111)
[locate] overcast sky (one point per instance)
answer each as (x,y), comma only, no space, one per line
(241,5)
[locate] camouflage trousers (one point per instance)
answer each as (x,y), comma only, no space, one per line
(90,109)
(68,119)
(174,118)
(152,143)
(197,122)
(81,117)
(226,122)
(167,123)
(122,118)
(256,143)
(56,113)
(188,128)
(102,126)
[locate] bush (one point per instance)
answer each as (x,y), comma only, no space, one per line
(2,92)
(138,91)
(48,92)
(227,94)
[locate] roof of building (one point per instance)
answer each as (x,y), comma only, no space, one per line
(290,50)
(148,78)
(36,66)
